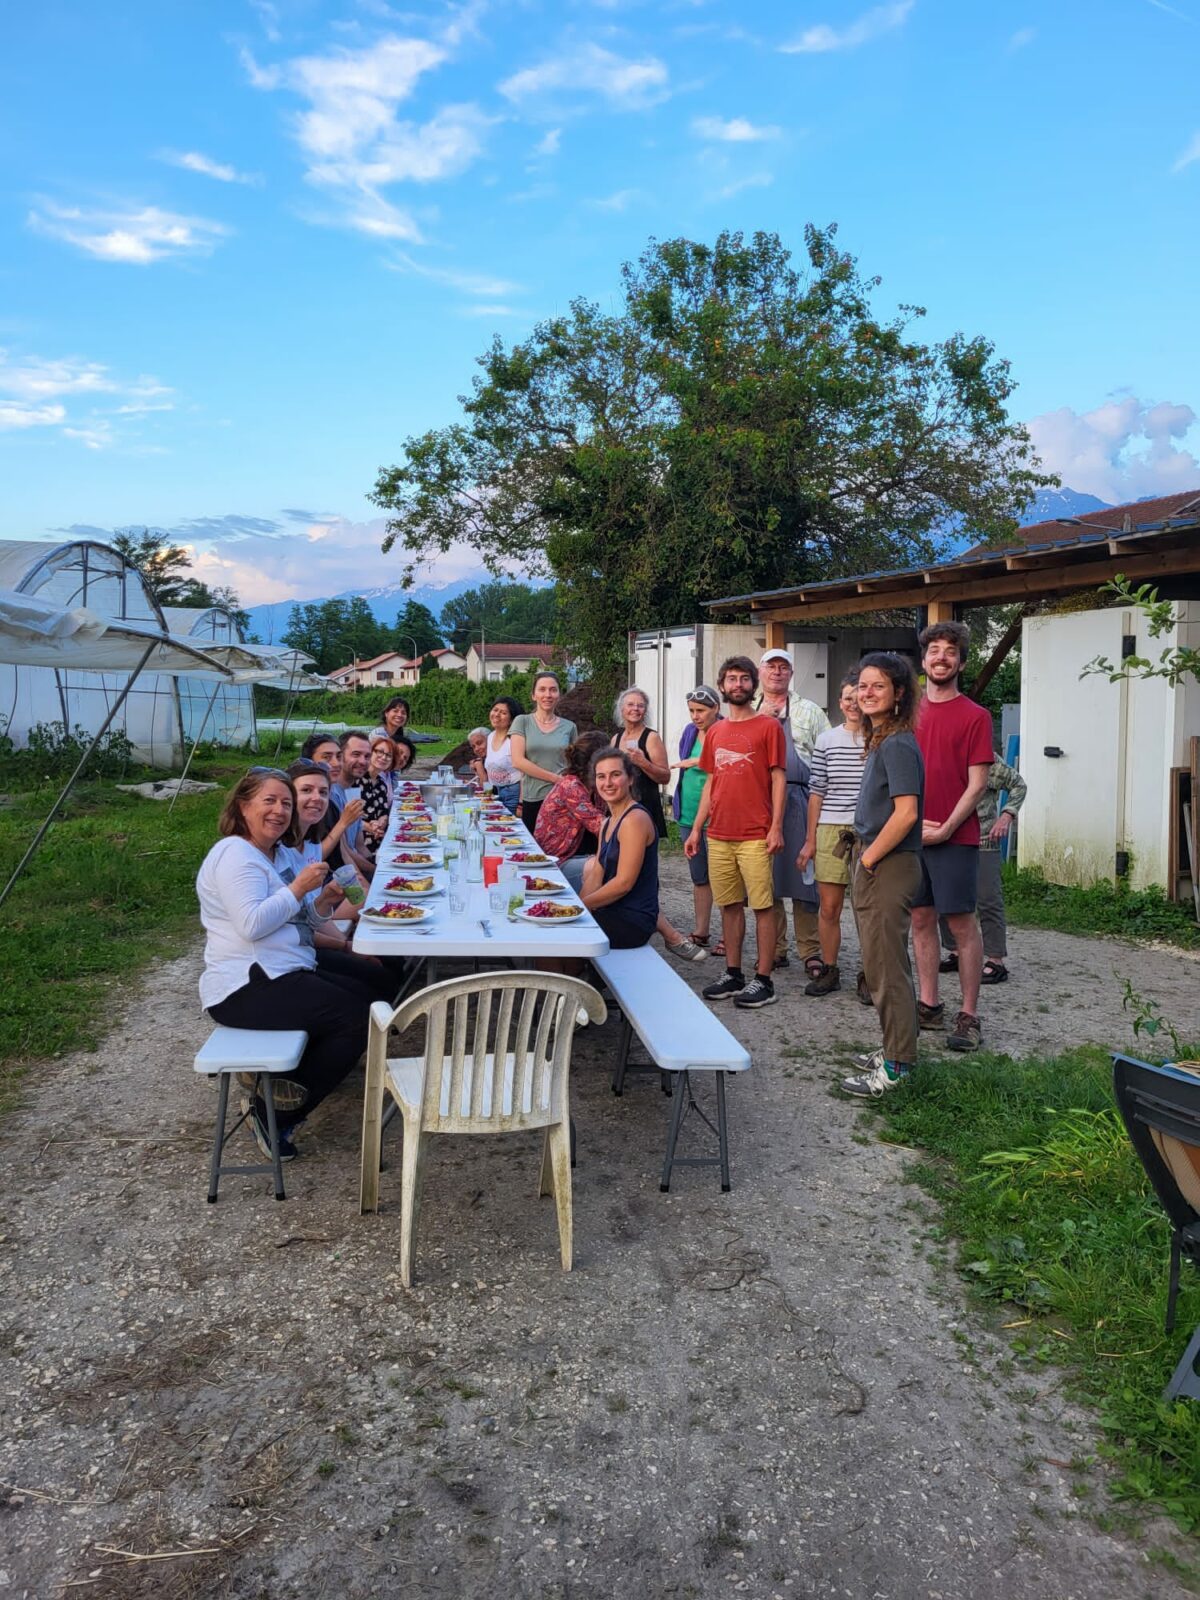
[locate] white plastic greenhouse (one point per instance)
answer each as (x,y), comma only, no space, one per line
(231,718)
(84,573)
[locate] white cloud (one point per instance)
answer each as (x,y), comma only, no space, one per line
(138,237)
(752,180)
(194,161)
(822,37)
(1189,154)
(1021,38)
(626,84)
(620,201)
(15,414)
(1123,449)
(468,282)
(490,311)
(735,130)
(32,391)
(268,16)
(355,144)
(548,144)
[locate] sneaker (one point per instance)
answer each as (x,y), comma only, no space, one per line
(262,1136)
(967,1033)
(864,994)
(825,982)
(688,950)
(780,963)
(759,991)
(931,1017)
(732,983)
(878,1076)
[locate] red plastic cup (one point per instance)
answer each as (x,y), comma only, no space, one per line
(491,870)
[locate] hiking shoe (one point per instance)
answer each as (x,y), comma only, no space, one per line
(825,981)
(731,983)
(878,1076)
(688,950)
(262,1136)
(931,1017)
(949,961)
(864,994)
(759,991)
(779,963)
(967,1033)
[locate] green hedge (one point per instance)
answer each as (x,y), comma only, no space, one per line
(440,700)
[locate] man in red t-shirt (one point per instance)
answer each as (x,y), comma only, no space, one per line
(955,736)
(742,806)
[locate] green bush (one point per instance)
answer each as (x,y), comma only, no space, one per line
(1112,908)
(53,752)
(440,700)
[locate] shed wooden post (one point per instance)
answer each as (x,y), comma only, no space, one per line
(939,611)
(775,635)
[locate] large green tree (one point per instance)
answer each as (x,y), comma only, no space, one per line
(507,613)
(335,632)
(416,624)
(734,425)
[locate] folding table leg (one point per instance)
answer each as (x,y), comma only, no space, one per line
(722,1134)
(682,1090)
(618,1083)
(273,1129)
(214,1166)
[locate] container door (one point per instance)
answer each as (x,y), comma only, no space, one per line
(811,662)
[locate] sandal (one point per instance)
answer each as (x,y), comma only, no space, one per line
(949,962)
(718,949)
(994,972)
(699,938)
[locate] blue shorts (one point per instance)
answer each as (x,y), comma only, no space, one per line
(949,878)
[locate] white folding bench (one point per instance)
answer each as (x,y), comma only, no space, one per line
(681,1036)
(266,1053)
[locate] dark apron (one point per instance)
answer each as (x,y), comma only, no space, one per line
(789,884)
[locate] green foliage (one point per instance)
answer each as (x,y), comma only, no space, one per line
(164,567)
(440,700)
(508,613)
(416,625)
(1054,1216)
(732,426)
(337,632)
(53,753)
(1101,908)
(1174,662)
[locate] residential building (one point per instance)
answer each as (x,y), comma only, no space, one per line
(491,662)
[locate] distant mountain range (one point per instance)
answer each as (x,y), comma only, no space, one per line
(269,622)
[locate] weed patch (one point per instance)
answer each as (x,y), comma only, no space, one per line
(1054,1217)
(1102,908)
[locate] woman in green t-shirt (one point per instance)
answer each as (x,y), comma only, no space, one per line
(539,746)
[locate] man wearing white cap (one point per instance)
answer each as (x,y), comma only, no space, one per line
(802,721)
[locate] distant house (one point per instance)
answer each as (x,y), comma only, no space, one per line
(491,662)
(394,670)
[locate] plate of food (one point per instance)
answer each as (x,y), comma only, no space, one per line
(544,885)
(549,911)
(529,858)
(413,858)
(418,888)
(396,911)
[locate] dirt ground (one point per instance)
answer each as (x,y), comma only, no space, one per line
(775,1392)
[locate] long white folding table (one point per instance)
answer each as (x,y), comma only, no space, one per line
(479,933)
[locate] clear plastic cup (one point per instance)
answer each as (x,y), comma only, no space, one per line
(351,888)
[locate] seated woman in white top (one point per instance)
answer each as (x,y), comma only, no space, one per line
(259,904)
(497,760)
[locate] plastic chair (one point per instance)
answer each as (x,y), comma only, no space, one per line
(1161,1109)
(497,1060)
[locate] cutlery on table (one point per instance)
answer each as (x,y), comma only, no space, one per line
(487,927)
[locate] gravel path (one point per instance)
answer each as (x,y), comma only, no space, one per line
(775,1392)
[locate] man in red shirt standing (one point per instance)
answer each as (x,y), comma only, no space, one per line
(955,736)
(742,806)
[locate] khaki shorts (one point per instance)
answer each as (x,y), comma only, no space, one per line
(828,867)
(740,869)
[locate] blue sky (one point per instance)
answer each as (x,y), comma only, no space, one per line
(247,246)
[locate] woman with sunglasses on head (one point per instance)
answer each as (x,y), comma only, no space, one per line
(887,863)
(497,758)
(539,746)
(260,904)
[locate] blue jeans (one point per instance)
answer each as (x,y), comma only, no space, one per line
(509,794)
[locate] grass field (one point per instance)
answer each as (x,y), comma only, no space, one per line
(112,888)
(1054,1222)
(1101,908)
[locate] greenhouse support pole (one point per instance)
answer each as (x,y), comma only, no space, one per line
(287,710)
(212,700)
(70,783)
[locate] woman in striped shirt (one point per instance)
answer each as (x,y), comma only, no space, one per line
(836,777)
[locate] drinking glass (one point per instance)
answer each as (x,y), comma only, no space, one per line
(498,898)
(457,902)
